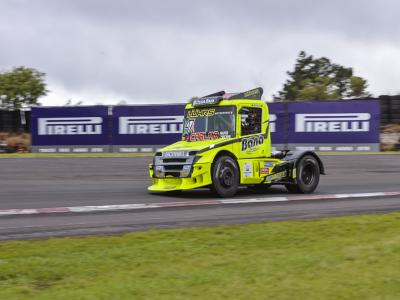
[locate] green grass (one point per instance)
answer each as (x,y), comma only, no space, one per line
(337,258)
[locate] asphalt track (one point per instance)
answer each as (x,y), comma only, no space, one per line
(60,182)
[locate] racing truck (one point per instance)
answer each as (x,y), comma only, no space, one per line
(226,143)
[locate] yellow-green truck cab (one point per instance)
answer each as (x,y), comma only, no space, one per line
(225,144)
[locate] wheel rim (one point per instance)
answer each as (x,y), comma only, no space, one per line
(307,174)
(226,175)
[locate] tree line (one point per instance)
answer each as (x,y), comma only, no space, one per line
(311,79)
(21,87)
(320,79)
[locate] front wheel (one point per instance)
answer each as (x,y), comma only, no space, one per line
(225,176)
(307,176)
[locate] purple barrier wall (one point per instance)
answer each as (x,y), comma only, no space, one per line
(334,125)
(277,117)
(146,127)
(70,129)
(323,126)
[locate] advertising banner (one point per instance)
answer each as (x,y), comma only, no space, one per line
(145,128)
(346,125)
(334,125)
(277,119)
(70,129)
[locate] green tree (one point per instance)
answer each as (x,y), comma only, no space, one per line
(320,79)
(21,87)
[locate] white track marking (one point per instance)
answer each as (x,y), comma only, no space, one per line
(253,200)
(379,194)
(111,207)
(139,206)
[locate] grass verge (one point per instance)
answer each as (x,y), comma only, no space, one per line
(338,258)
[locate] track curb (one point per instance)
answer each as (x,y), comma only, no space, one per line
(139,206)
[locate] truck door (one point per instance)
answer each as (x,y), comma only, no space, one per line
(250,130)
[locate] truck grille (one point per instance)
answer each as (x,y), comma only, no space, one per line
(173,166)
(174,160)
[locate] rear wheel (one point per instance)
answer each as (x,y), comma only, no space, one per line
(307,176)
(225,176)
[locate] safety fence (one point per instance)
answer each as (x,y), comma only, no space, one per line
(390,109)
(351,125)
(16,121)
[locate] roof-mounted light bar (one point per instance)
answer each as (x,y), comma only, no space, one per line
(254,94)
(207,101)
(213,99)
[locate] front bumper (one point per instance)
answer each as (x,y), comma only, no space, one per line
(200,177)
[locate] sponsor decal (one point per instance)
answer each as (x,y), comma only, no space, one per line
(252,142)
(189,127)
(150,125)
(202,136)
(174,153)
(70,126)
(364,148)
(265,167)
(207,101)
(194,113)
(325,148)
(47,150)
(79,150)
(248,169)
(276,176)
(345,148)
(128,149)
(338,122)
(305,148)
(225,134)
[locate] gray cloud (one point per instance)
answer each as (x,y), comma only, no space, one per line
(159,51)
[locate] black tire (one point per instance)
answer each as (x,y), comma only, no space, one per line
(307,176)
(225,176)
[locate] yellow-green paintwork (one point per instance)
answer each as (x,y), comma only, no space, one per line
(201,175)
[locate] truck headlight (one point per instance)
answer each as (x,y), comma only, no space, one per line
(157,160)
(159,172)
(186,170)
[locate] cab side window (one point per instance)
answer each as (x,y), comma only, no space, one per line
(250,120)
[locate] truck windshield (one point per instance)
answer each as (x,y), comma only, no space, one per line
(209,123)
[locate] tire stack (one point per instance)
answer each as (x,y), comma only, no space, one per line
(390,123)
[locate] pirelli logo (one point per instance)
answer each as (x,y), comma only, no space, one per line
(70,126)
(150,125)
(343,122)
(272,122)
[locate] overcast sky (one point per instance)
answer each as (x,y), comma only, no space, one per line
(99,51)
